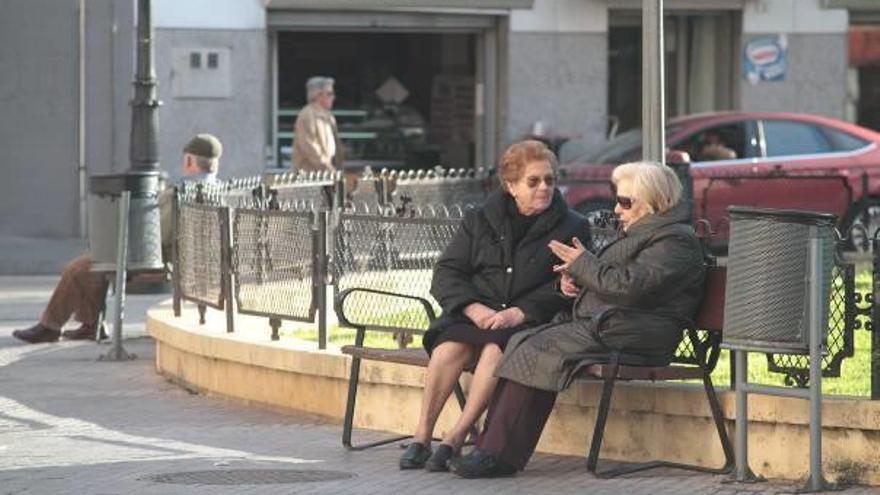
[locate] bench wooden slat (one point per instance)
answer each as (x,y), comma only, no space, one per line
(647,373)
(412,356)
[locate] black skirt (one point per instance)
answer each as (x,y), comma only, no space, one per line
(468,333)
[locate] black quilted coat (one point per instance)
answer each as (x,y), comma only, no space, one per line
(637,294)
(481,264)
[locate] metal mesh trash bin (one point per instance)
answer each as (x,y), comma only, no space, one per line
(778,281)
(769,277)
(145,244)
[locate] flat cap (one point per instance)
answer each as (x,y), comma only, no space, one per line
(204,145)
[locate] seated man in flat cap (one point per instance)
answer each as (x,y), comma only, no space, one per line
(81,292)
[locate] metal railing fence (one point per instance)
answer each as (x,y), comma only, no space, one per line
(277,249)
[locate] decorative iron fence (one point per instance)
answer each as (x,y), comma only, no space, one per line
(273,263)
(277,246)
(199,259)
(390,254)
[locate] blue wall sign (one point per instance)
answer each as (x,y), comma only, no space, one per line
(764,59)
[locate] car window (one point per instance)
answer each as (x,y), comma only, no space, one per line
(842,141)
(722,142)
(784,137)
(625,147)
(618,145)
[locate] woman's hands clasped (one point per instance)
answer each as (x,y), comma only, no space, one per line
(486,318)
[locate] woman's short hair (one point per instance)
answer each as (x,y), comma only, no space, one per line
(653,183)
(316,84)
(518,155)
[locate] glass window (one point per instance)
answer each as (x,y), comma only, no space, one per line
(624,147)
(785,138)
(723,142)
(842,141)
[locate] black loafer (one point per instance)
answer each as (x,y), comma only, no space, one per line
(481,464)
(440,460)
(415,456)
(37,334)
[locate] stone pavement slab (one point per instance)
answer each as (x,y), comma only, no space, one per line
(72,425)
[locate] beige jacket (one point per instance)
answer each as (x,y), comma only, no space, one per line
(316,144)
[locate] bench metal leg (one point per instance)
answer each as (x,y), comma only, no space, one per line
(347,424)
(717,418)
(602,416)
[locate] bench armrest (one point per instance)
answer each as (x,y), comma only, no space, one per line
(339,306)
(704,351)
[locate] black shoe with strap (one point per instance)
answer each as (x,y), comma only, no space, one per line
(37,334)
(439,461)
(481,464)
(415,456)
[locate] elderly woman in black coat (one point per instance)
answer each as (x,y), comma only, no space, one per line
(494,279)
(632,297)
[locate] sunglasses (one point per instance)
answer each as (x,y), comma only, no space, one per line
(625,202)
(533,182)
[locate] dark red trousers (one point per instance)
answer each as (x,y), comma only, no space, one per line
(516,417)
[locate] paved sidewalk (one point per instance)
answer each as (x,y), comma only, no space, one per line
(32,255)
(69,424)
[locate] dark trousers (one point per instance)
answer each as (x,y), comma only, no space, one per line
(516,417)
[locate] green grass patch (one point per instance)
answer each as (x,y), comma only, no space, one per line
(855,371)
(339,337)
(855,379)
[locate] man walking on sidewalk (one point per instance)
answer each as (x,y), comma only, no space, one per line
(316,144)
(80,292)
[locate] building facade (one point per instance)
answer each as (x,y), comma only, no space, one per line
(459,79)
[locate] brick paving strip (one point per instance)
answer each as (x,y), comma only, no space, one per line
(69,424)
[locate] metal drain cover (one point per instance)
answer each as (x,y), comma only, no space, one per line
(249,477)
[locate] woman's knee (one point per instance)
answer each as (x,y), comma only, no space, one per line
(451,352)
(491,351)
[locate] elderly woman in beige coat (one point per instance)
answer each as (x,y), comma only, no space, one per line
(634,296)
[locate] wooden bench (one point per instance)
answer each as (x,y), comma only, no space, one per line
(695,358)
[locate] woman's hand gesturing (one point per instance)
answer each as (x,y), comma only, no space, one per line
(566,253)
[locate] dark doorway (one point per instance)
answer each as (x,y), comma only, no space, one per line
(432,125)
(869,97)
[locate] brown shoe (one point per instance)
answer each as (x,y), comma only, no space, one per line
(37,334)
(85,332)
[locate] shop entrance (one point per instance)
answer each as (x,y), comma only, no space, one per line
(403,100)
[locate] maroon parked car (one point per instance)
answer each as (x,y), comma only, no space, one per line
(769,159)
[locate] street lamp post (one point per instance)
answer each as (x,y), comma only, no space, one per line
(144,149)
(142,179)
(124,231)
